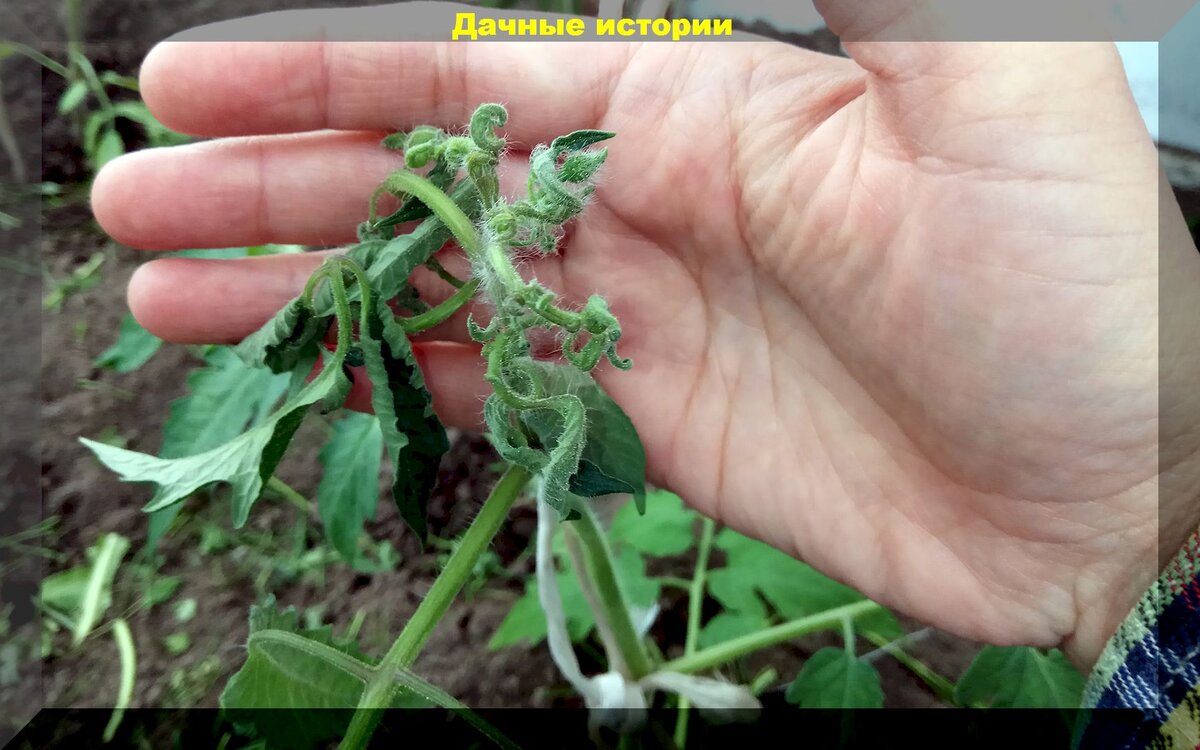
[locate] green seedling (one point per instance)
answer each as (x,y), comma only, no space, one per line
(541,414)
(84,277)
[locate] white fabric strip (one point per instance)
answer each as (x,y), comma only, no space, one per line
(613,700)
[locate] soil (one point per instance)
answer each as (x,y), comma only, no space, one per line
(226,577)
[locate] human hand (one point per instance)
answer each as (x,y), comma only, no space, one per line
(897,316)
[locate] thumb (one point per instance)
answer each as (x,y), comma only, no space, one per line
(935,87)
(1012,20)
(964,20)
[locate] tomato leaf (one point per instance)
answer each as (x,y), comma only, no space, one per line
(525,623)
(613,459)
(133,348)
(285,339)
(224,398)
(755,571)
(289,671)
(725,626)
(390,262)
(441,175)
(1020,677)
(666,528)
(245,463)
(834,678)
(579,140)
(293,331)
(349,488)
(414,436)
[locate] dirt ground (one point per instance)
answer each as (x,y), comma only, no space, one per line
(79,399)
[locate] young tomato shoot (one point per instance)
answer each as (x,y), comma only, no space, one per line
(550,421)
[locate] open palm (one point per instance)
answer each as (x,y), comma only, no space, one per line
(896,316)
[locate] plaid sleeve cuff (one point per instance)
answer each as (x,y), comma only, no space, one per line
(1151,666)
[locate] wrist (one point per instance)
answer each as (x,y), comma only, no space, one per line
(1127,588)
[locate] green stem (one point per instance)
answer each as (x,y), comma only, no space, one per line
(128,654)
(341,305)
(310,286)
(89,73)
(378,693)
(695,604)
(675,582)
(616,606)
(541,302)
(411,183)
(365,310)
(434,265)
(722,653)
(441,312)
(281,488)
(497,257)
(699,579)
(74,23)
(46,62)
(8,140)
(942,687)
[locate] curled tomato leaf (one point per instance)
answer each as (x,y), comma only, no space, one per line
(613,458)
(245,463)
(414,436)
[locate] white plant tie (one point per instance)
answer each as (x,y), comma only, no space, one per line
(613,700)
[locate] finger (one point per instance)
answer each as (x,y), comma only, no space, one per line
(191,300)
(987,21)
(206,301)
(936,98)
(910,45)
(244,87)
(454,376)
(311,188)
(203,301)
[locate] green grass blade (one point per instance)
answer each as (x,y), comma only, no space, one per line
(124,639)
(98,592)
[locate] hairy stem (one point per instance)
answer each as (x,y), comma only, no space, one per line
(341,304)
(612,598)
(722,653)
(364,287)
(496,256)
(695,604)
(411,183)
(433,264)
(441,312)
(378,693)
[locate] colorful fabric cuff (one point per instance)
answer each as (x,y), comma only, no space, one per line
(1152,665)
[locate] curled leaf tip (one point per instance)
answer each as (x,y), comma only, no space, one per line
(483,124)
